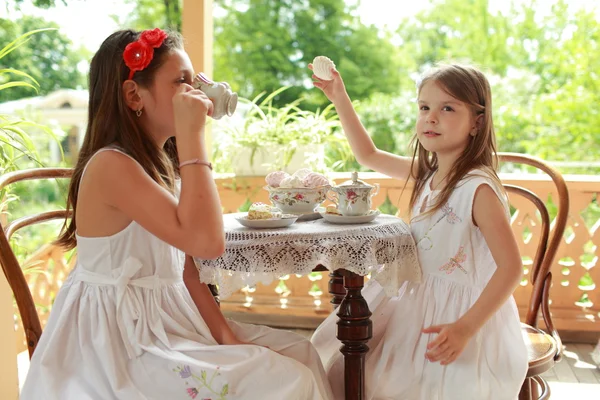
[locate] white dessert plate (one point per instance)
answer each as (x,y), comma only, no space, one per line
(285,220)
(359,219)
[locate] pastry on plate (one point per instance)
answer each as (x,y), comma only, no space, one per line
(263,211)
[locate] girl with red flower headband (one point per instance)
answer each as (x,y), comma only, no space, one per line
(133,320)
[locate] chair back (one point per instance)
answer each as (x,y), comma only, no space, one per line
(10,264)
(550,237)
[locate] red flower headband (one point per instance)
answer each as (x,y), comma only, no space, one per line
(139,54)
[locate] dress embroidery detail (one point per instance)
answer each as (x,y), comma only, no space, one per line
(450,215)
(202,381)
(455,262)
(425,243)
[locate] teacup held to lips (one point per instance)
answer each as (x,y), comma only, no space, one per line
(353,197)
(224,100)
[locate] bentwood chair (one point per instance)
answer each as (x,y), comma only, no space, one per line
(544,348)
(10,264)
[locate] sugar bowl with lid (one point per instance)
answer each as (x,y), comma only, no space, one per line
(353,197)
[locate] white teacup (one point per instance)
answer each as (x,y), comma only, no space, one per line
(223,99)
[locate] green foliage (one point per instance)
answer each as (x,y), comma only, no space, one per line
(458,30)
(281,129)
(246,206)
(47,57)
(16,142)
(35,197)
(542,69)
(387,207)
(40,3)
(262,44)
(149,14)
(17,147)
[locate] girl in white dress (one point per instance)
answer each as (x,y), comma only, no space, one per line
(455,335)
(133,321)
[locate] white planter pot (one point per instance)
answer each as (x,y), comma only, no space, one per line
(266,160)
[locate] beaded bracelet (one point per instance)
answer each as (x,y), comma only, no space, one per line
(196,161)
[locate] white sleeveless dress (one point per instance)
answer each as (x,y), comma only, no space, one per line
(124,326)
(457,264)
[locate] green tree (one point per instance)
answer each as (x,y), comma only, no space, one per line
(560,52)
(151,14)
(262,44)
(38,3)
(48,57)
(542,68)
(458,30)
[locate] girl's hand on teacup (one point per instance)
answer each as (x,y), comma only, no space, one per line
(190,108)
(449,343)
(333,88)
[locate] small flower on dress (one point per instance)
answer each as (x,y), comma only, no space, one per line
(203,382)
(185,372)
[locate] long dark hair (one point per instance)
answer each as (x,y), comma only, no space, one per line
(112,122)
(470,86)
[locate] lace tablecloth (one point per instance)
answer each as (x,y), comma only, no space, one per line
(385,248)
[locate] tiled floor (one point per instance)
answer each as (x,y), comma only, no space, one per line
(576,376)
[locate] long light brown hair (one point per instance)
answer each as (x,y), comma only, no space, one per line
(112,122)
(469,85)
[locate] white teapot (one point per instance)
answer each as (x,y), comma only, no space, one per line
(353,198)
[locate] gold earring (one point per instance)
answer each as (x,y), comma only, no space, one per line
(474,132)
(138,113)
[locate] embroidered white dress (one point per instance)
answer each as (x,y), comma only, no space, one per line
(124,326)
(457,264)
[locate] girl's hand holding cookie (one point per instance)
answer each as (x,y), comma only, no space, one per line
(328,79)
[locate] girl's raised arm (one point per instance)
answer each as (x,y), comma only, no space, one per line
(362,146)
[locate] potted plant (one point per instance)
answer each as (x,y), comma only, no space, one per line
(270,138)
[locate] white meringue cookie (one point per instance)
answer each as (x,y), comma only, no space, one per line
(322,67)
(274,178)
(302,173)
(291,182)
(314,180)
